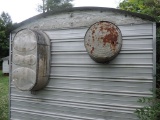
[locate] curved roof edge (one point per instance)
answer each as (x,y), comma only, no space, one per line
(103,9)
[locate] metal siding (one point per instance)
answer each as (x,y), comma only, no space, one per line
(10,69)
(154,56)
(81,89)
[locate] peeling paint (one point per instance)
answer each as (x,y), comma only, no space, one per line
(92,50)
(103,41)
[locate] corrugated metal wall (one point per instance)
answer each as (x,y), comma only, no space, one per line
(81,89)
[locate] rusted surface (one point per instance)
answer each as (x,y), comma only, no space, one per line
(92,50)
(103,41)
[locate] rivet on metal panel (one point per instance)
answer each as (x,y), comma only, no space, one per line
(103,41)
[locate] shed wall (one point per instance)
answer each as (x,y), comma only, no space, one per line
(81,89)
(5,67)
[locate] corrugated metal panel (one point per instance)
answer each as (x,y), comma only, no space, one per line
(81,89)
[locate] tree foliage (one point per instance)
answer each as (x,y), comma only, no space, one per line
(151,109)
(149,7)
(5,29)
(51,5)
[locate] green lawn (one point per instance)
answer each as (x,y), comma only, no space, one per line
(4,82)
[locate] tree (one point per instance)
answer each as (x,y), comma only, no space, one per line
(51,5)
(5,29)
(152,8)
(149,7)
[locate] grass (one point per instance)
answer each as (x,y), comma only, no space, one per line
(4,93)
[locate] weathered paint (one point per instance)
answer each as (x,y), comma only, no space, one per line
(81,18)
(24,78)
(25,41)
(80,88)
(103,41)
(30,60)
(25,60)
